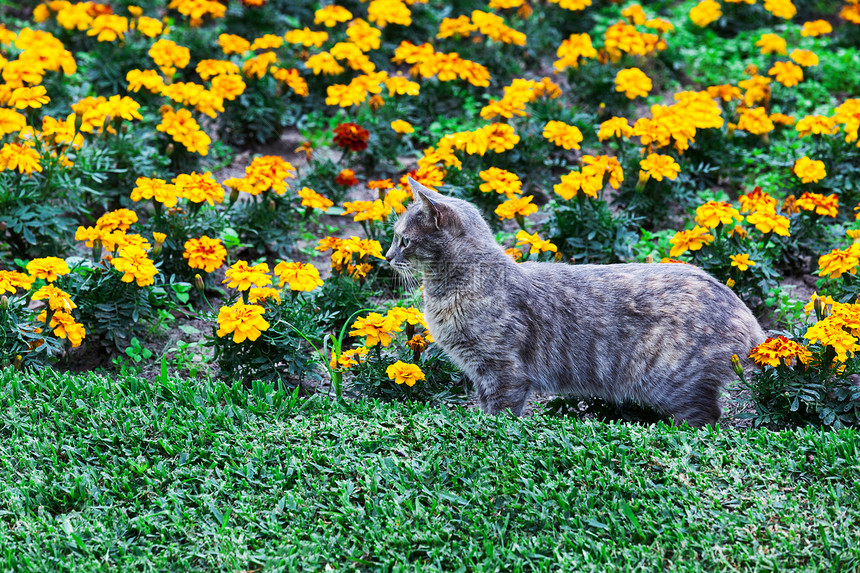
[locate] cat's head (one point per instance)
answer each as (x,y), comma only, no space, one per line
(436,228)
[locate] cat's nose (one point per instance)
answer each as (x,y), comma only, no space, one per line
(390,254)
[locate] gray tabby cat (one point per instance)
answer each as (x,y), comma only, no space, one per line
(662,334)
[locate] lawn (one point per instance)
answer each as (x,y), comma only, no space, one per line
(118,473)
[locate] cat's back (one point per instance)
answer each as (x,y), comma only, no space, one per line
(680,294)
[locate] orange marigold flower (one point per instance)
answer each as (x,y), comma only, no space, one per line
(804,58)
(787,73)
(10,281)
(772,44)
(768,221)
(346,177)
(205,253)
(64,326)
(821,204)
(816,28)
(242,276)
(779,350)
(21,157)
(198,188)
(501,181)
(376,329)
(58,299)
(614,127)
(34,97)
(839,261)
(157,189)
(402,127)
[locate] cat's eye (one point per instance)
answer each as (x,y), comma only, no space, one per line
(404,242)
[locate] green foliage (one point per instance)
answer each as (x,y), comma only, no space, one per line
(587,230)
(393,486)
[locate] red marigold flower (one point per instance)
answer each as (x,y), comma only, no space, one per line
(351,136)
(346,178)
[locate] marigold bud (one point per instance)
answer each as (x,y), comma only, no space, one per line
(16,364)
(198,282)
(97,250)
(4,302)
(2,226)
(649,259)
(272,205)
(819,308)
(169,149)
(736,365)
(234,195)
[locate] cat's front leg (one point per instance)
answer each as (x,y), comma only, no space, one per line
(498,391)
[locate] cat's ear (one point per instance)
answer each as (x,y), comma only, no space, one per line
(431,203)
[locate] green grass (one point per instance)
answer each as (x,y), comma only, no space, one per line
(177,475)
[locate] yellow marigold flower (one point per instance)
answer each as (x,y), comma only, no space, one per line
(157,189)
(257,66)
(725,92)
(562,134)
(501,181)
(536,244)
(332,15)
(243,321)
(205,253)
(384,12)
(691,240)
(772,44)
(363,35)
(267,42)
(10,281)
(34,97)
(804,58)
(756,121)
(108,27)
(64,326)
(242,276)
(821,204)
(659,166)
(149,27)
(705,12)
(459,26)
(614,127)
(767,221)
(306,37)
(258,294)
(781,8)
(757,200)
(398,85)
(314,200)
(600,165)
(367,210)
(787,73)
(826,303)
(198,188)
(11,121)
(816,28)
(348,358)
(233,44)
(633,83)
(808,170)
(269,172)
(403,373)
(300,277)
(208,69)
(838,261)
(839,330)
(742,261)
(816,125)
(119,219)
(714,213)
(589,182)
(135,266)
(146,79)
(376,329)
(500,137)
(514,253)
(402,127)
(48,268)
(58,299)
(779,350)
(781,119)
(324,63)
(572,49)
(516,206)
(21,157)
